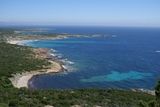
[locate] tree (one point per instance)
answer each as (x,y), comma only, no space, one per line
(157,92)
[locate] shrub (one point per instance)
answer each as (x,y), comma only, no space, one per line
(142,104)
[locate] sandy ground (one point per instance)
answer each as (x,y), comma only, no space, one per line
(21,80)
(14,42)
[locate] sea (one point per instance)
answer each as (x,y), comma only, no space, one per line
(102,57)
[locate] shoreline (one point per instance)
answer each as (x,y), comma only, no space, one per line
(22,80)
(21,40)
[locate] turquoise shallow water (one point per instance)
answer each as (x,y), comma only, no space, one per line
(128,60)
(118,76)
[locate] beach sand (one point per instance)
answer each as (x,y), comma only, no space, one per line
(14,42)
(21,80)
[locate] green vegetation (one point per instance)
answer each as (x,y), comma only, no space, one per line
(157,91)
(67,98)
(15,33)
(17,59)
(5,33)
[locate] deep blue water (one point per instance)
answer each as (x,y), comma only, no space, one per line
(125,58)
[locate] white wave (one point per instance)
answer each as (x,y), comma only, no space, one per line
(68,68)
(59,56)
(53,50)
(56,55)
(158,51)
(66,61)
(26,42)
(65,67)
(70,62)
(52,54)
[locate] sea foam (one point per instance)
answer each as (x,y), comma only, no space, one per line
(158,51)
(66,63)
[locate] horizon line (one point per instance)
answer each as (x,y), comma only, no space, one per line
(60,25)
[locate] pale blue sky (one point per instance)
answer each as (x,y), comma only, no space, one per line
(81,12)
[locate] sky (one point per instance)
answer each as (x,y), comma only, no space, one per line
(81,12)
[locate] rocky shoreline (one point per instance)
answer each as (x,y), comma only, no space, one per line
(55,66)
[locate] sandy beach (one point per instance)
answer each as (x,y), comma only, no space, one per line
(17,42)
(21,80)
(22,40)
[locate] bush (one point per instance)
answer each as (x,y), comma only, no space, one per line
(3,105)
(142,104)
(13,103)
(157,90)
(152,103)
